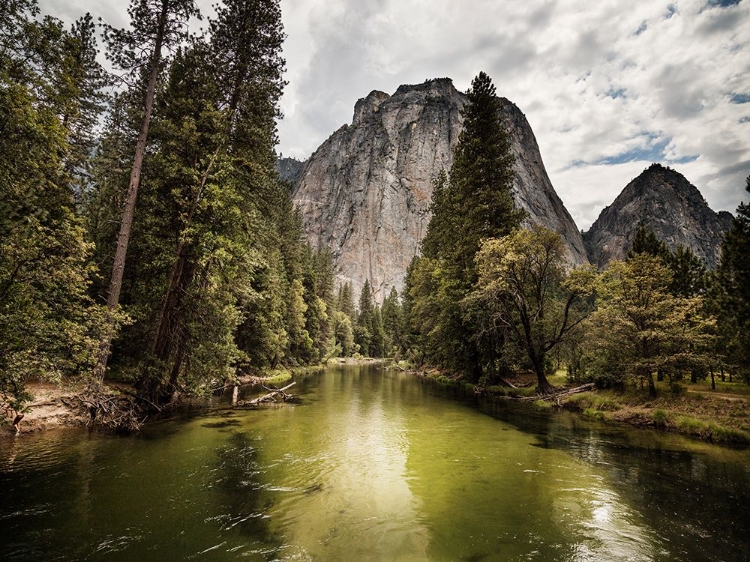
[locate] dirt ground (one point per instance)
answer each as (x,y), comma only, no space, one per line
(52,406)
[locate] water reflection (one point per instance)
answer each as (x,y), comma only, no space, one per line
(347,498)
(373,466)
(243,505)
(682,489)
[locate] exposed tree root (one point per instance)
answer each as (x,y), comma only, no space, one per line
(111,409)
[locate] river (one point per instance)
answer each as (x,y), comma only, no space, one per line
(373,465)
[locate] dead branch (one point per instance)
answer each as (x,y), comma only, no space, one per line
(273,393)
(112,410)
(557,396)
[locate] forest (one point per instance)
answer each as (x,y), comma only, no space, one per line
(145,236)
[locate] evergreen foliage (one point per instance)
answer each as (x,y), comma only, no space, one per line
(219,280)
(689,273)
(474,202)
(48,324)
(731,292)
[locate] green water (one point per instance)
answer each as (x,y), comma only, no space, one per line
(373,465)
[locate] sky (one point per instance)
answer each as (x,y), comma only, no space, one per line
(608,86)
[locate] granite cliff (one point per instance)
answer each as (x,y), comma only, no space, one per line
(365,192)
(666,203)
(289,169)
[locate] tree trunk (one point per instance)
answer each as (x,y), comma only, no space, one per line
(651,386)
(179,282)
(123,238)
(713,381)
(543,385)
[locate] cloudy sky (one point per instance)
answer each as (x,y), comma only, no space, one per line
(608,86)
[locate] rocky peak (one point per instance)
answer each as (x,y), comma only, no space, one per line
(665,202)
(366,191)
(367,106)
(434,87)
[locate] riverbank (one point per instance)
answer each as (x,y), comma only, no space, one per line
(54,406)
(51,406)
(718,416)
(714,416)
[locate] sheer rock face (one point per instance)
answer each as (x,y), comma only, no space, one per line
(289,169)
(669,205)
(365,193)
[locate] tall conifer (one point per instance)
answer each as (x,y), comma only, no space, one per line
(155,25)
(474,203)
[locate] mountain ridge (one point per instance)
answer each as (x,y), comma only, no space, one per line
(365,192)
(665,202)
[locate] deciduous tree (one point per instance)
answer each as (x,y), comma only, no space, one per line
(525,294)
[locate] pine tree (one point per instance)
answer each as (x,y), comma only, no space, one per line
(689,275)
(731,294)
(378,347)
(474,203)
(86,92)
(323,272)
(364,328)
(345,301)
(645,241)
(154,26)
(392,321)
(47,321)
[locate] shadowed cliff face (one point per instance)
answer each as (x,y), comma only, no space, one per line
(365,193)
(669,205)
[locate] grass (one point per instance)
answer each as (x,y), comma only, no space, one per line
(661,418)
(720,416)
(699,414)
(594,413)
(599,401)
(711,431)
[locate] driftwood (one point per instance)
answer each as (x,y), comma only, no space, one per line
(273,394)
(557,396)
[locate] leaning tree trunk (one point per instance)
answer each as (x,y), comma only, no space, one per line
(123,238)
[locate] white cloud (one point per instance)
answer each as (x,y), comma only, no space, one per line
(602,82)
(596,81)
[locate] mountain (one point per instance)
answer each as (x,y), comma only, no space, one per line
(289,169)
(365,192)
(666,203)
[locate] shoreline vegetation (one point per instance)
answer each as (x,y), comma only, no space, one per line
(54,406)
(720,416)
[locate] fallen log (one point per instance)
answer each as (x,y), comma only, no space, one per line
(273,393)
(558,395)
